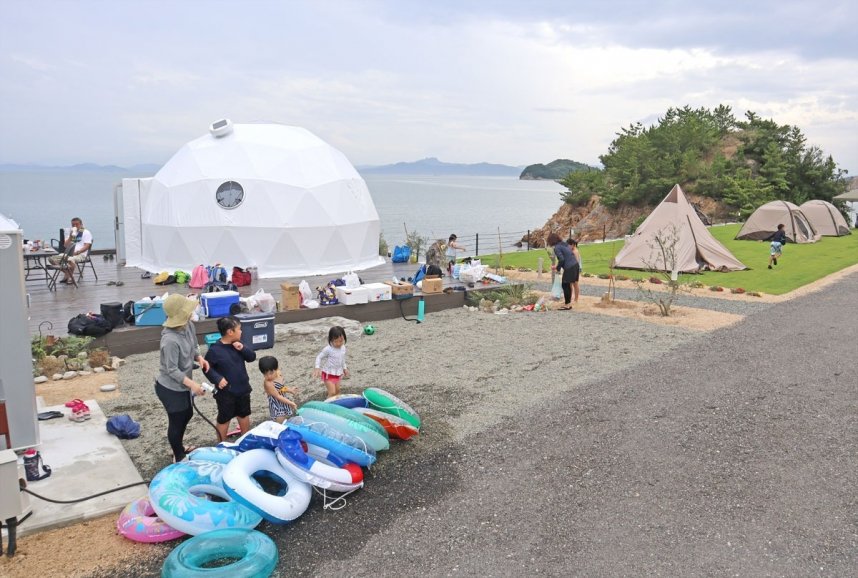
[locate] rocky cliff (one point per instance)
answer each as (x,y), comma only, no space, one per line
(596,222)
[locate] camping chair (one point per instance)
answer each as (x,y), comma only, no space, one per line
(59,268)
(82,265)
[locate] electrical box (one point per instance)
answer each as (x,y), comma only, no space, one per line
(13,502)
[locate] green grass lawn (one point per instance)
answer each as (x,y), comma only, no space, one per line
(800,264)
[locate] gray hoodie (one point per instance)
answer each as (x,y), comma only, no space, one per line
(179,348)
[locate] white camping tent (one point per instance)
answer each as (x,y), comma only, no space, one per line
(271,196)
(825,218)
(689,244)
(763,223)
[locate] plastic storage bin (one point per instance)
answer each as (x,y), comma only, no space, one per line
(354,296)
(149,313)
(377,292)
(257,330)
(217,304)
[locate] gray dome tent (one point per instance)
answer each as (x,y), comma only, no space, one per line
(825,218)
(763,223)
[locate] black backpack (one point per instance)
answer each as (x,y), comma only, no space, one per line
(90,325)
(128,313)
(216,286)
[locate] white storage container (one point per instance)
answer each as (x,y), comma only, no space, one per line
(355,296)
(377,292)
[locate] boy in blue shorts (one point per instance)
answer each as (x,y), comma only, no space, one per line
(228,374)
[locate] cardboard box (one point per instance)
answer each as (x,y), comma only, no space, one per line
(354,296)
(377,292)
(432,284)
(290,298)
(401,290)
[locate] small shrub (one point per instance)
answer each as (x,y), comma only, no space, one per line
(586,274)
(754,294)
(737,291)
(696,285)
(716,288)
(604,276)
(49,365)
(656,281)
(621,277)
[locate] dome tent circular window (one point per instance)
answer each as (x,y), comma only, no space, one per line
(229,195)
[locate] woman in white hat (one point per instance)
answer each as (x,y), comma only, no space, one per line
(175,384)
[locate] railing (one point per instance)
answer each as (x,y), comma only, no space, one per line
(488,242)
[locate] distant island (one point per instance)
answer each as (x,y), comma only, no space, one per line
(433,167)
(139,170)
(555,170)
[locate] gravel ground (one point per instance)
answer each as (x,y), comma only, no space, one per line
(577,444)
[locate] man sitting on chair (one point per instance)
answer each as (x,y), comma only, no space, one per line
(82,240)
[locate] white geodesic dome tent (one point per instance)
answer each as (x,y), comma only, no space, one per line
(269,196)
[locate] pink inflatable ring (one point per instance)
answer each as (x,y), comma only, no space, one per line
(139,522)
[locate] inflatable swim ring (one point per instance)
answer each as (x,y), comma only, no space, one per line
(278,509)
(350,448)
(138,522)
(215,454)
(316,465)
(177,494)
(389,403)
(395,426)
(349,400)
(347,421)
(255,556)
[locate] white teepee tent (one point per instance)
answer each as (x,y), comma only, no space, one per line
(691,245)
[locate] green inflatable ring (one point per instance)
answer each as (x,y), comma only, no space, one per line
(389,403)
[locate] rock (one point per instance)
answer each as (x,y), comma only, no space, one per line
(108,387)
(62,357)
(82,355)
(98,370)
(40,379)
(57,376)
(70,375)
(84,373)
(116,363)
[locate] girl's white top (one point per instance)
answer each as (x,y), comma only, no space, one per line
(332,360)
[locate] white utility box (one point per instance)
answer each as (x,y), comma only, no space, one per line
(377,292)
(354,296)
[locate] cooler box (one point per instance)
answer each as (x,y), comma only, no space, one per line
(149,313)
(217,304)
(377,292)
(354,296)
(212,338)
(257,330)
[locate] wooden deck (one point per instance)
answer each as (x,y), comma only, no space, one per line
(51,310)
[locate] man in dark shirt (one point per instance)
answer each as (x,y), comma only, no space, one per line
(228,374)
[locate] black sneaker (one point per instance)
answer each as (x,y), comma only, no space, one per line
(775,261)
(770,266)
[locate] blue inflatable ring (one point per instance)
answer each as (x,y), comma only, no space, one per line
(255,553)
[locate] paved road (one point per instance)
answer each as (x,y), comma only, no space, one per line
(732,455)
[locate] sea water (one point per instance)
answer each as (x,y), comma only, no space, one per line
(433,207)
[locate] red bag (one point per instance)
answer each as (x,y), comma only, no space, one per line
(240,277)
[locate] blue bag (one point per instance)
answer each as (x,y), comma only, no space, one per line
(421,272)
(401,254)
(123,427)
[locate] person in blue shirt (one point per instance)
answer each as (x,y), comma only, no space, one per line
(779,239)
(228,374)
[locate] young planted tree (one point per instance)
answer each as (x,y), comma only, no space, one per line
(662,266)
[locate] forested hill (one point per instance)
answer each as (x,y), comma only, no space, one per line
(739,164)
(555,170)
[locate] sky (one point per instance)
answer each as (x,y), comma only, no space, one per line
(511,82)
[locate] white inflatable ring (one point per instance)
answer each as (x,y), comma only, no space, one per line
(241,486)
(213,454)
(349,447)
(347,421)
(177,494)
(316,465)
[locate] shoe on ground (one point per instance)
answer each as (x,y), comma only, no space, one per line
(770,266)
(775,261)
